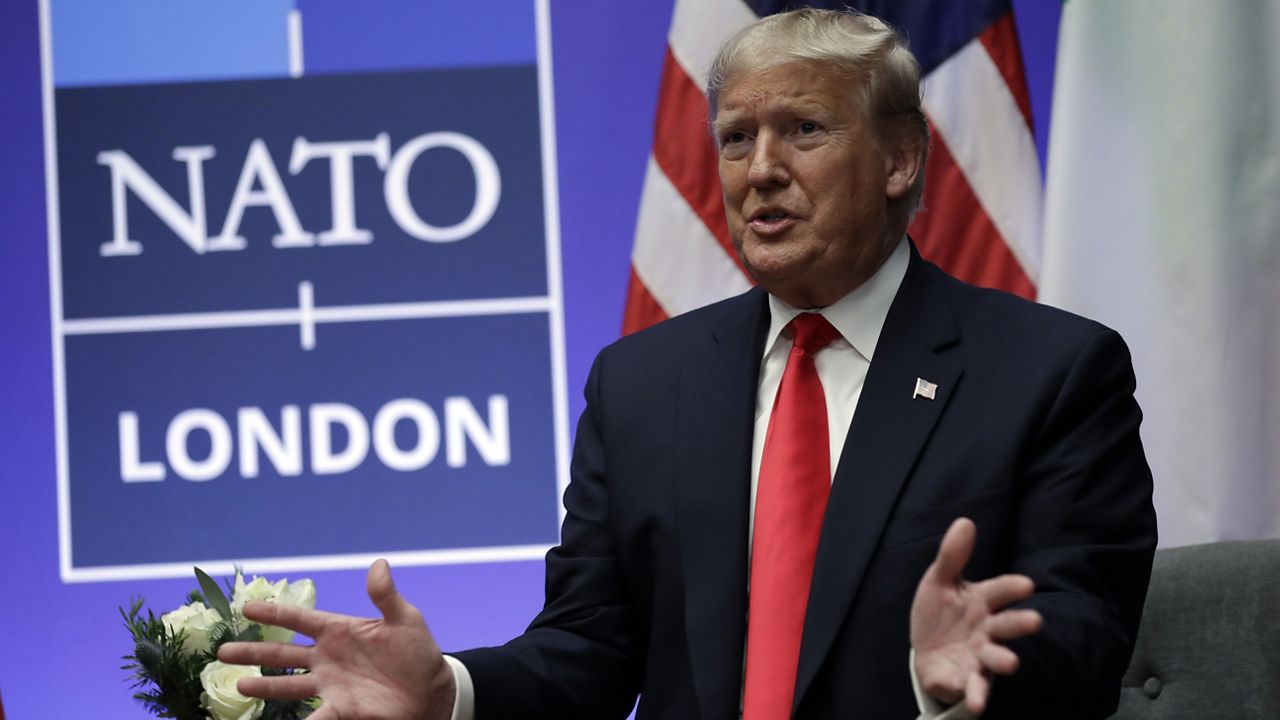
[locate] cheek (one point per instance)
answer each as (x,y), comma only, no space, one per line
(732,187)
(847,201)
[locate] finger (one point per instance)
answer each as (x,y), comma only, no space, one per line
(270,654)
(304,620)
(1013,624)
(382,591)
(998,659)
(279,687)
(1002,591)
(953,553)
(941,681)
(975,693)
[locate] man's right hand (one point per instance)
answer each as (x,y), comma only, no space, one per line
(362,668)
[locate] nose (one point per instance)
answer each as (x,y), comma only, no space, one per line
(768,166)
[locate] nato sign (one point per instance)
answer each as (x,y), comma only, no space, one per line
(305,284)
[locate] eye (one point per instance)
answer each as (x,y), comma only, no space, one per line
(808,127)
(733,137)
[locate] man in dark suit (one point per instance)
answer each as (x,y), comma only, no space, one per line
(934,401)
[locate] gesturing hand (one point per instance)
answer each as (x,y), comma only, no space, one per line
(957,626)
(362,668)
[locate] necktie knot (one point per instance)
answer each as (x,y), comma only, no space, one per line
(812,332)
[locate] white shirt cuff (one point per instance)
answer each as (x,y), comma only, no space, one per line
(464,703)
(930,707)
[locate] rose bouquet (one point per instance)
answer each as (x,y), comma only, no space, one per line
(174,663)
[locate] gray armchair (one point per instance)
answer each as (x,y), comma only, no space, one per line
(1209,645)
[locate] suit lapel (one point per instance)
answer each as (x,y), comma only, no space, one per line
(714,424)
(889,430)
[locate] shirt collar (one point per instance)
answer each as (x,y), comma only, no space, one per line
(858,316)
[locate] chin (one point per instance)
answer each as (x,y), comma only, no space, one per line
(765,274)
(775,267)
(779,283)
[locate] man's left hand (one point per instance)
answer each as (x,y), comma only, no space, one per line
(958,627)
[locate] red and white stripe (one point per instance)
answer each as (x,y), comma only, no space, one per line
(683,258)
(981,220)
(983,195)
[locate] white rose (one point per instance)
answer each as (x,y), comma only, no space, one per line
(259,590)
(301,593)
(220,696)
(197,620)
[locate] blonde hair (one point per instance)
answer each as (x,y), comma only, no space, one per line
(884,76)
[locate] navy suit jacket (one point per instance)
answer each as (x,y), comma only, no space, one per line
(1033,434)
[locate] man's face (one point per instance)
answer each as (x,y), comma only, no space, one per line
(806,182)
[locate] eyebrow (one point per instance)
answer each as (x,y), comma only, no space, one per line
(724,120)
(727,118)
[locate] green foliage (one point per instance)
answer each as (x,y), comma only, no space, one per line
(159,664)
(225,632)
(213,595)
(221,632)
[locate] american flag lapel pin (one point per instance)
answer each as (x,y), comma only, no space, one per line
(925,389)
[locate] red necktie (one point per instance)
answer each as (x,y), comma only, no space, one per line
(791,497)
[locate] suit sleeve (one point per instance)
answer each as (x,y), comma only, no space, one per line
(582,656)
(1086,533)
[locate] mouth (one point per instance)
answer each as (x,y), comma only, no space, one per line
(770,221)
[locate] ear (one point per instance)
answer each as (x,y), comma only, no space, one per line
(903,163)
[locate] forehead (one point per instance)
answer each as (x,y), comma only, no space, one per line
(783,87)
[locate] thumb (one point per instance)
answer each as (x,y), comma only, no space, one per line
(383,593)
(954,552)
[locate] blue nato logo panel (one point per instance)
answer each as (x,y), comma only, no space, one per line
(304,305)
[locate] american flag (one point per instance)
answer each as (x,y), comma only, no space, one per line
(982,202)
